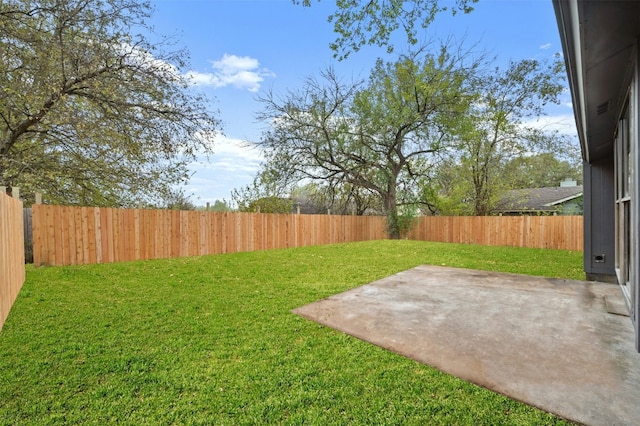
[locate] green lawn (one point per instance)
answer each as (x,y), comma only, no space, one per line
(211,340)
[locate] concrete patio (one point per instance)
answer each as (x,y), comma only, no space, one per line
(559,345)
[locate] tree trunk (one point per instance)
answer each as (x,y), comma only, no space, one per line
(390,205)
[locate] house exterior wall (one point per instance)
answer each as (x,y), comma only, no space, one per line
(599,220)
(572,208)
(634,260)
(600,45)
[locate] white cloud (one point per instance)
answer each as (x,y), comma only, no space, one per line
(200,79)
(241,72)
(237,148)
(233,165)
(232,64)
(562,123)
(545,46)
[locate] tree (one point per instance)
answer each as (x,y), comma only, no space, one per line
(220,206)
(343,198)
(496,131)
(268,193)
(541,170)
(377,136)
(178,200)
(373,22)
(91,112)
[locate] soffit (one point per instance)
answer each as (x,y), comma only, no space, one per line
(599,39)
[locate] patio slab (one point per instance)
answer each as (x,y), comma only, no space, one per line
(546,342)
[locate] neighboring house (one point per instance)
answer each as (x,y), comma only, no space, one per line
(600,41)
(563,200)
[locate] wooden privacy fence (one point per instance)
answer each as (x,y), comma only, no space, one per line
(549,232)
(12,272)
(84,235)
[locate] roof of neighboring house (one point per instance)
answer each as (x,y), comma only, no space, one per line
(537,199)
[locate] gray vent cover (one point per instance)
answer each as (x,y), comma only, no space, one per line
(602,108)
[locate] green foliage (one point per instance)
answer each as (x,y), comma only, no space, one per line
(373,22)
(220,206)
(178,200)
(474,172)
(269,191)
(212,340)
(400,222)
(377,137)
(541,171)
(91,112)
(270,205)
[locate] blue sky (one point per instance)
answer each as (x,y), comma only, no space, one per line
(241,48)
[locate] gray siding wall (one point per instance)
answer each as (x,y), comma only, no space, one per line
(599,220)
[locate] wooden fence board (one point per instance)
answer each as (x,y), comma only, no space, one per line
(12,273)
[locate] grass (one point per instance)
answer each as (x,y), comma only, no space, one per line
(211,340)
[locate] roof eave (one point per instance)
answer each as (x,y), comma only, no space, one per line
(567,16)
(564,200)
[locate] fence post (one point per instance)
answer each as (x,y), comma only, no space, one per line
(38,198)
(15,192)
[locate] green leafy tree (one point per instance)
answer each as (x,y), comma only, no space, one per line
(178,200)
(220,206)
(542,170)
(497,129)
(376,136)
(92,112)
(360,23)
(270,205)
(268,193)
